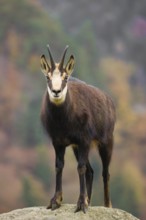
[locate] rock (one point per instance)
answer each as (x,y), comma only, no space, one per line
(66,212)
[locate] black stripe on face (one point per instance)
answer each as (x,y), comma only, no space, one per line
(64,79)
(64,82)
(49,83)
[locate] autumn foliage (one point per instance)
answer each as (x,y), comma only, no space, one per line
(26,155)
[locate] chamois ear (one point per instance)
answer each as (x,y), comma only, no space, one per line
(70,65)
(45,68)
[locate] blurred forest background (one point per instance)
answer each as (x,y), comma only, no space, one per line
(108,39)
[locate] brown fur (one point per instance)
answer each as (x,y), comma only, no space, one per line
(86,116)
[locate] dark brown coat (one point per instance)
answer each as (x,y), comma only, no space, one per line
(86,116)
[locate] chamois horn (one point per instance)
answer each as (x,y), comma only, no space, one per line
(62,59)
(51,58)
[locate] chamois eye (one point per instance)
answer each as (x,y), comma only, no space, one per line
(66,78)
(48,78)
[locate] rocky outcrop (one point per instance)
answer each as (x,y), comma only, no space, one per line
(66,212)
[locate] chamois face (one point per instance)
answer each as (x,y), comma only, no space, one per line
(57,76)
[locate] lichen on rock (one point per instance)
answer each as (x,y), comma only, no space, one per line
(66,212)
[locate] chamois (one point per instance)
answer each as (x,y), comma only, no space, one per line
(77,114)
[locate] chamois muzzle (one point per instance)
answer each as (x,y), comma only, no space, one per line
(56,92)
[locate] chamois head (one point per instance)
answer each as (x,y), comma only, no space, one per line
(57,75)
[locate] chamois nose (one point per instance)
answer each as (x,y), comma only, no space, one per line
(56,92)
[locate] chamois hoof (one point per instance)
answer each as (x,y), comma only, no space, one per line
(108,204)
(82,206)
(53,205)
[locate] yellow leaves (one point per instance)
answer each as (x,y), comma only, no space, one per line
(134,179)
(34,63)
(128,188)
(117,73)
(13,43)
(33,192)
(116,67)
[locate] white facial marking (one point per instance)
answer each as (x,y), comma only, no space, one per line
(60,99)
(56,82)
(56,79)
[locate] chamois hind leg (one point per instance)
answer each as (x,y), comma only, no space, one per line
(89,180)
(88,175)
(105,151)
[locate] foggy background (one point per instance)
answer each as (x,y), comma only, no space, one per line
(108,40)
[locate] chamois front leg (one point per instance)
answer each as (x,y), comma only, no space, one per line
(83,200)
(57,198)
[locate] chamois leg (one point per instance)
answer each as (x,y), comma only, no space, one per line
(57,199)
(82,203)
(89,180)
(105,151)
(88,175)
